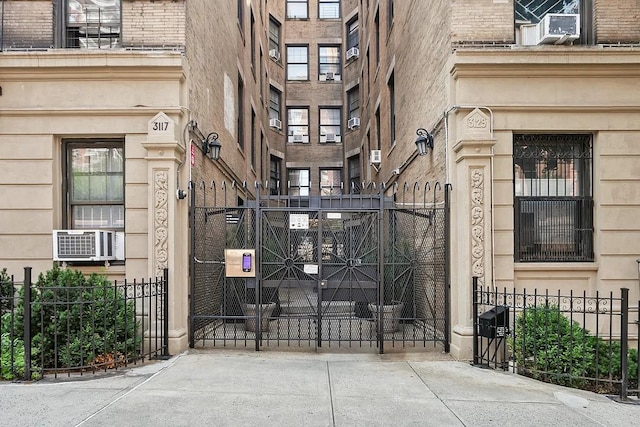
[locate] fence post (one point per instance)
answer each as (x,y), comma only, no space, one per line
(475,320)
(27,323)
(165,320)
(624,343)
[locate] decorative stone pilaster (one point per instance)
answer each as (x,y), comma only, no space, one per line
(167,236)
(471,254)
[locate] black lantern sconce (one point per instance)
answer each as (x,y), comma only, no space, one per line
(424,141)
(211,146)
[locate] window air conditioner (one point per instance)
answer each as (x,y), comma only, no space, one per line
(376,157)
(353,123)
(330,137)
(299,138)
(329,76)
(275,123)
(354,52)
(553,28)
(273,53)
(87,245)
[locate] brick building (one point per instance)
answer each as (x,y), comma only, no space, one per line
(531,105)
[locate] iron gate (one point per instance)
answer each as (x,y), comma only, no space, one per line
(359,270)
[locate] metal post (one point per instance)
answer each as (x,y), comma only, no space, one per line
(381,267)
(27,323)
(475,321)
(192,263)
(447,268)
(624,344)
(165,326)
(257,229)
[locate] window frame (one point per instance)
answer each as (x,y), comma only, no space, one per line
(296,190)
(353,102)
(275,107)
(275,175)
(274,37)
(353,32)
(290,132)
(71,144)
(332,188)
(335,66)
(329,2)
(353,163)
(337,113)
(553,197)
(65,29)
(392,108)
(297,2)
(289,63)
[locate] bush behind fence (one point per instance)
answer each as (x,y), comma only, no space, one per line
(575,340)
(66,322)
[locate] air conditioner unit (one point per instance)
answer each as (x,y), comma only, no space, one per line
(330,137)
(553,28)
(275,123)
(353,123)
(329,76)
(354,52)
(376,157)
(299,138)
(87,245)
(273,53)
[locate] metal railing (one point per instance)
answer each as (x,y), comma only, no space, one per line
(59,325)
(575,340)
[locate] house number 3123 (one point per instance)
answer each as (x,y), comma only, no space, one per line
(160,126)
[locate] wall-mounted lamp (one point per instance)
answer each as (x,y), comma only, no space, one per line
(211,146)
(424,141)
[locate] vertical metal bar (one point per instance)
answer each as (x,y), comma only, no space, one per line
(475,320)
(165,328)
(192,263)
(381,262)
(27,323)
(319,281)
(624,343)
(258,270)
(447,269)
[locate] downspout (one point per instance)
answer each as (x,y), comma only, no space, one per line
(2,28)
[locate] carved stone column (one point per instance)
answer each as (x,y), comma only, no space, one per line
(167,241)
(471,224)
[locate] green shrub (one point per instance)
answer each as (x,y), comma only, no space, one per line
(6,291)
(550,347)
(75,321)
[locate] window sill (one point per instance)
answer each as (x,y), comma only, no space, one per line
(555,266)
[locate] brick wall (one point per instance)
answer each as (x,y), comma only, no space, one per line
(28,24)
(482,20)
(617,21)
(153,23)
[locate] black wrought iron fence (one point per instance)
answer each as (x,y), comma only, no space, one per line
(67,323)
(576,340)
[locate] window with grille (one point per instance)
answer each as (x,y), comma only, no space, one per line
(94,184)
(553,201)
(90,24)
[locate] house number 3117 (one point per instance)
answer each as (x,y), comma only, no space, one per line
(160,126)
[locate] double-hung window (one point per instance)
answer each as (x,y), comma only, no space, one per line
(353,101)
(553,201)
(352,33)
(94,184)
(89,24)
(299,182)
(328,9)
(330,125)
(330,182)
(298,125)
(297,63)
(274,175)
(274,38)
(274,103)
(297,9)
(354,174)
(329,62)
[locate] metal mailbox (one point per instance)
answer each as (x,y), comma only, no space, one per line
(494,323)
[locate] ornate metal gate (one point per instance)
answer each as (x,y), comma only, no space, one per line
(361,270)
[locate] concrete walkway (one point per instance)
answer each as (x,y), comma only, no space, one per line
(243,388)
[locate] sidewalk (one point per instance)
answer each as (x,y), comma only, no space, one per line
(243,388)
